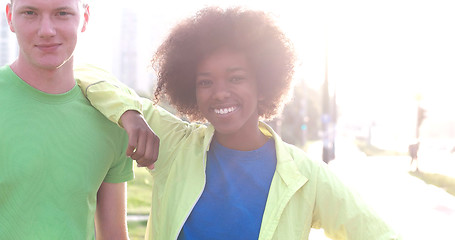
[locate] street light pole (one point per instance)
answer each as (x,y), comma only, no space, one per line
(328,115)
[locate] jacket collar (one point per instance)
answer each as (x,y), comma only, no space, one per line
(286,166)
(210,132)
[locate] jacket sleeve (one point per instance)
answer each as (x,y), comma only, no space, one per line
(111,97)
(343,214)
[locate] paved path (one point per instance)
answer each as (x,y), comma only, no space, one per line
(417,210)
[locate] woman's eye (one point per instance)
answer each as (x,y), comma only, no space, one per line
(237,79)
(203,83)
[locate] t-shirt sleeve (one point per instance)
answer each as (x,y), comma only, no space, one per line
(121,169)
(111,97)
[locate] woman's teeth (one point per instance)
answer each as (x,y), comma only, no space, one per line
(224,110)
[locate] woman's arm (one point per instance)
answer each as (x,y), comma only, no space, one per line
(115,100)
(343,214)
(122,106)
(107,94)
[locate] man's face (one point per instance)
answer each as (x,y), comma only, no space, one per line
(47,30)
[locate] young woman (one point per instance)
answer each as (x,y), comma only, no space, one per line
(233,178)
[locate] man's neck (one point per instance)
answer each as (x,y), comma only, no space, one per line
(52,81)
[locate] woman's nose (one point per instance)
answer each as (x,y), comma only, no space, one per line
(221,91)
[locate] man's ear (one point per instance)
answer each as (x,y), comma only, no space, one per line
(86,17)
(9,14)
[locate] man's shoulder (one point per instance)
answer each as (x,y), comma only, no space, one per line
(101,123)
(9,85)
(91,119)
(5,72)
(4,68)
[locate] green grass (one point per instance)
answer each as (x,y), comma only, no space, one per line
(136,230)
(445,182)
(140,192)
(139,201)
(438,180)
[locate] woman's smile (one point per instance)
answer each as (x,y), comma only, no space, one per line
(226,110)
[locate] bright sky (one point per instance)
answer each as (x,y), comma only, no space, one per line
(381,46)
(381,53)
(156,17)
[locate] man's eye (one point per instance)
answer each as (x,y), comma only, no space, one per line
(63,13)
(29,13)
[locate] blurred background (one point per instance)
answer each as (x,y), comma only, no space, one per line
(373,79)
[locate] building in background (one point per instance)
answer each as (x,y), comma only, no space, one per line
(119,40)
(132,52)
(8,44)
(126,53)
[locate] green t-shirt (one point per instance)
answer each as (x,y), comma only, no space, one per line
(55,151)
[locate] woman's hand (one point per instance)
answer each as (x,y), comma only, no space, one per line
(143,144)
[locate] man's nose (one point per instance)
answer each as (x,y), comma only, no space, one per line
(47,28)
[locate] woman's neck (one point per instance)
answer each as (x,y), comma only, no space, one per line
(242,141)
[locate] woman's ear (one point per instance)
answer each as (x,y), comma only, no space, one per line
(261,98)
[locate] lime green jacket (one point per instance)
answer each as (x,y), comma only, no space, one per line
(304,194)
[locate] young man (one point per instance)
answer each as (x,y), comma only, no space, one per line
(63,166)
